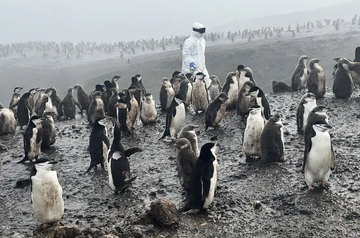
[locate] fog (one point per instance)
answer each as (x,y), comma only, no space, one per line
(113,20)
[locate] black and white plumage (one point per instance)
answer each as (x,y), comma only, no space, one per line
(118,163)
(319,113)
(46,192)
(67,106)
(343,85)
(175,119)
(317,82)
(319,157)
(215,87)
(48,130)
(135,84)
(15,98)
(167,94)
(257,97)
(32,92)
(353,68)
(244,74)
(24,110)
(216,111)
(306,105)
(112,102)
(300,75)
(203,179)
(96,108)
(185,159)
(122,113)
(133,104)
(32,139)
(82,98)
(199,95)
(55,99)
(272,141)
(243,104)
(39,100)
(231,88)
(99,143)
(148,113)
(185,90)
(7,121)
(252,135)
(188,132)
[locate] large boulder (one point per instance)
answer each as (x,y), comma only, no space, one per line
(164,213)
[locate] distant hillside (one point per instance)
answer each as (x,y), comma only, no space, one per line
(343,11)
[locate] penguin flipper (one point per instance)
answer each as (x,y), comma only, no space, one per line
(17,103)
(308,145)
(300,119)
(226,88)
(205,179)
(332,166)
(279,148)
(266,106)
(132,151)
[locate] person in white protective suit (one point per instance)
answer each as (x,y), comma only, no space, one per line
(193,52)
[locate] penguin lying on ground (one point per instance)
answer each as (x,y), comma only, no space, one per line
(46,193)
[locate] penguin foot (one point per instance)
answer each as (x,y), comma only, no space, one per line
(324,185)
(310,187)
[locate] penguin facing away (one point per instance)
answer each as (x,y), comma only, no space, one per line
(306,105)
(199,96)
(316,82)
(175,119)
(46,192)
(203,179)
(300,74)
(319,157)
(185,90)
(118,163)
(353,68)
(99,143)
(82,98)
(231,89)
(167,94)
(96,108)
(112,102)
(257,97)
(188,132)
(216,111)
(32,139)
(185,159)
(7,121)
(148,112)
(272,141)
(252,135)
(343,85)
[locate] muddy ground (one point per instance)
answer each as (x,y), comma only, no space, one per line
(288,209)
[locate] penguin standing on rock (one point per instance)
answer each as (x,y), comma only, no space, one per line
(243,104)
(300,75)
(252,134)
(215,87)
(167,94)
(83,98)
(48,130)
(96,108)
(231,88)
(118,163)
(7,121)
(186,160)
(46,193)
(306,105)
(316,82)
(319,157)
(257,97)
(203,179)
(67,105)
(99,143)
(148,112)
(343,85)
(188,132)
(32,139)
(215,111)
(272,141)
(24,110)
(175,119)
(200,98)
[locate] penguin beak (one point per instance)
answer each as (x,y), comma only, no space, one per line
(52,162)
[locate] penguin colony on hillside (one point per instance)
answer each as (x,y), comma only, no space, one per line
(106,106)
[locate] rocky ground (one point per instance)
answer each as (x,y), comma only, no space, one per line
(288,208)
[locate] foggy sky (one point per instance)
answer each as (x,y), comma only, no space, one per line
(118,20)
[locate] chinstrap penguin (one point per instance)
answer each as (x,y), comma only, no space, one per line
(306,105)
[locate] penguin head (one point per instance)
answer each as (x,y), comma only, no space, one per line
(231,77)
(16,95)
(77,87)
(200,76)
(17,89)
(222,97)
(33,91)
(214,79)
(176,73)
(313,62)
(138,76)
(254,91)
(309,97)
(240,67)
(35,119)
(303,58)
(26,96)
(134,80)
(148,97)
(182,143)
(165,80)
(99,87)
(207,152)
(116,77)
(276,119)
(122,96)
(70,90)
(108,84)
(255,109)
(321,111)
(44,164)
(247,86)
(50,91)
(97,94)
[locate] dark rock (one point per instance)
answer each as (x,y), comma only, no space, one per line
(93,232)
(57,232)
(164,213)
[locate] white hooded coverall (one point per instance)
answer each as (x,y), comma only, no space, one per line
(194,51)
